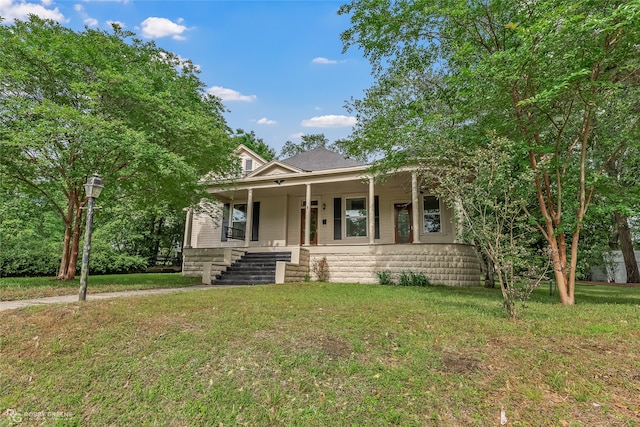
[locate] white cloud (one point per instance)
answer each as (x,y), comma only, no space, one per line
(265,121)
(10,10)
(329,121)
(88,21)
(321,60)
(298,135)
(153,27)
(230,94)
(121,24)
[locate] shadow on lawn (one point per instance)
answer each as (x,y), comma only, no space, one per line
(616,294)
(489,300)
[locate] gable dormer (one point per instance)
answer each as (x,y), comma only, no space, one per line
(249,159)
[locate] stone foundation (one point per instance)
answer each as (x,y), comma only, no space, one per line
(443,264)
(193,260)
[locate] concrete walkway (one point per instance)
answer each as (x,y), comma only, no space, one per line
(9,305)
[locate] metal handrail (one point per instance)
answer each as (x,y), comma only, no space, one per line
(234,233)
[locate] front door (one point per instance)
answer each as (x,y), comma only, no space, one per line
(404,231)
(313,237)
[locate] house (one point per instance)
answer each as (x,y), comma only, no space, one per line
(318,205)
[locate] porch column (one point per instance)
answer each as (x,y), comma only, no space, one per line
(372,212)
(188,226)
(415,221)
(247,225)
(457,221)
(307,217)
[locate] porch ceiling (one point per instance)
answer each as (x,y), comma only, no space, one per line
(399,182)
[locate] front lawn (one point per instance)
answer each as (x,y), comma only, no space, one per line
(326,355)
(20,288)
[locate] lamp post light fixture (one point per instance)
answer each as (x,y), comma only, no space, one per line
(92,189)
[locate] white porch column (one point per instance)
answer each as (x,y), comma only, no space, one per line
(307,217)
(372,212)
(457,221)
(248,225)
(188,226)
(415,221)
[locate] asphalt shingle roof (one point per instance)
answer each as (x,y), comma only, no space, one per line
(320,159)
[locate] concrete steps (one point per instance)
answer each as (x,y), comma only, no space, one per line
(254,268)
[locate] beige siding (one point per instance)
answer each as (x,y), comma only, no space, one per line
(387,199)
(203,233)
(293,222)
(276,170)
(272,221)
(280,221)
(244,156)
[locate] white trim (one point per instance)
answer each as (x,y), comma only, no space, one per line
(344,216)
(422,212)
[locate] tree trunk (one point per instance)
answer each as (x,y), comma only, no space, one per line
(75,246)
(73,230)
(626,246)
(66,250)
(489,272)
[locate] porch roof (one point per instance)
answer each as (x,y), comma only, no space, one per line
(321,159)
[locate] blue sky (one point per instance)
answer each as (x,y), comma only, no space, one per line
(277,65)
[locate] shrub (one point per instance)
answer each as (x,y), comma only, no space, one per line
(30,258)
(106,260)
(321,269)
(384,278)
(406,278)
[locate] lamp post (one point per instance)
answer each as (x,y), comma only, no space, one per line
(92,189)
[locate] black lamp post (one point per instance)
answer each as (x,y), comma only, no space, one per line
(92,188)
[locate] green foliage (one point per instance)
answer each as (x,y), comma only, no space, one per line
(385,278)
(405,278)
(153,233)
(410,278)
(308,142)
(105,259)
(75,103)
(254,143)
(560,82)
(27,256)
(29,236)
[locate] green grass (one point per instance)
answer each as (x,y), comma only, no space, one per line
(327,355)
(19,288)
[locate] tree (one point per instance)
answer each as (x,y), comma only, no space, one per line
(254,143)
(623,201)
(75,103)
(308,142)
(537,74)
(29,235)
(490,207)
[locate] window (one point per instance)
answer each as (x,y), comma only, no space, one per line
(431,215)
(248,166)
(355,216)
(239,220)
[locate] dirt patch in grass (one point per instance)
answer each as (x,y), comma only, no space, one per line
(459,364)
(335,347)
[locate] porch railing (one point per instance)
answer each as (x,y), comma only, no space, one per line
(234,233)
